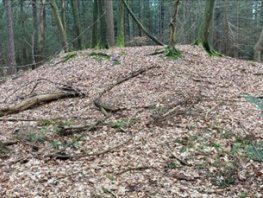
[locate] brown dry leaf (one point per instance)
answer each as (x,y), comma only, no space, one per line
(205,133)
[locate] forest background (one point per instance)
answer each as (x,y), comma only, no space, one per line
(42,28)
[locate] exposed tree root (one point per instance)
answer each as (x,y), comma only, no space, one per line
(207,47)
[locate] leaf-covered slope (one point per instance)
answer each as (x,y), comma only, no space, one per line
(191,109)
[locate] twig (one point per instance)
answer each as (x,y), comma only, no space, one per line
(213,109)
(18,120)
(64,156)
(105,190)
(139,168)
(182,162)
(126,78)
(83,128)
(110,149)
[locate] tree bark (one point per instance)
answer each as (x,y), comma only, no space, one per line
(103,30)
(203,33)
(38,9)
(41,32)
(94,41)
(120,28)
(75,10)
(11,60)
(140,24)
(63,13)
(60,26)
(36,100)
(109,22)
(173,25)
(258,48)
(35,33)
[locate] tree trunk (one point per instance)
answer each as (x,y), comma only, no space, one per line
(63,14)
(11,60)
(147,15)
(120,29)
(22,19)
(103,31)
(173,25)
(94,41)
(258,48)
(38,9)
(61,29)
(35,32)
(75,10)
(203,33)
(109,22)
(41,32)
(161,16)
(140,24)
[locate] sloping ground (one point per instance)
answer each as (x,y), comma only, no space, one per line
(183,129)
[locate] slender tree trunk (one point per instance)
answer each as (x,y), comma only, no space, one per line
(94,41)
(141,16)
(41,31)
(173,25)
(258,48)
(63,13)
(161,22)
(129,24)
(203,33)
(237,26)
(140,25)
(204,29)
(38,9)
(103,30)
(22,20)
(10,37)
(120,28)
(147,15)
(35,33)
(61,29)
(109,22)
(75,10)
(226,30)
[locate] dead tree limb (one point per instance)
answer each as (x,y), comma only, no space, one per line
(126,78)
(141,25)
(104,107)
(182,162)
(37,100)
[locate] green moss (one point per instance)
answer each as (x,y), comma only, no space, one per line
(69,55)
(172,52)
(99,56)
(207,47)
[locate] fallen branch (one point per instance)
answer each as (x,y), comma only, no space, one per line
(103,107)
(73,129)
(64,156)
(126,78)
(37,100)
(18,120)
(139,168)
(68,130)
(108,150)
(182,162)
(108,191)
(36,84)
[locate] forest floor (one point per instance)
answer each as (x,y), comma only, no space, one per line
(179,128)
